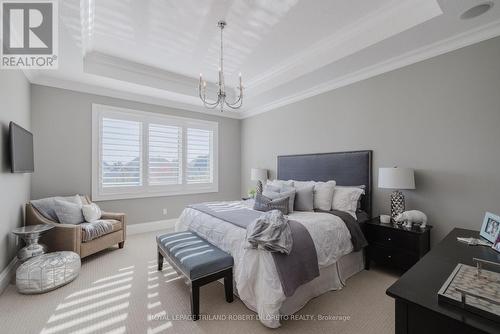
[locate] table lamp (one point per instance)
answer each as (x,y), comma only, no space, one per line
(396,178)
(259,175)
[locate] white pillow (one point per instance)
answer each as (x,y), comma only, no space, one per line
(91,212)
(323,192)
(323,195)
(302,184)
(346,199)
(280,183)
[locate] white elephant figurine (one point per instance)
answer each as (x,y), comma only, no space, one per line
(412,216)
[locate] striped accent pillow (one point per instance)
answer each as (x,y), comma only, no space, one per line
(263,203)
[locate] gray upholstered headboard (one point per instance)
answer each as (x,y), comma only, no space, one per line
(347,168)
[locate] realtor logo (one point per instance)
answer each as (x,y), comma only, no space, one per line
(29,34)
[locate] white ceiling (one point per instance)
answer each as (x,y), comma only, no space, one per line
(153,50)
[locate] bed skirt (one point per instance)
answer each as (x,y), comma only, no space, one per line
(331,278)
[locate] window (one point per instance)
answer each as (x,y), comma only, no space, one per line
(165,154)
(199,158)
(140,154)
(121,153)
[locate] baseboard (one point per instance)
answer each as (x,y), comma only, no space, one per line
(7,274)
(151,226)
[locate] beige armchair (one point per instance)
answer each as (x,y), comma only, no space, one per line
(67,237)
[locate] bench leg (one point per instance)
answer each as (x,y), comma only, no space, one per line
(195,301)
(160,261)
(228,286)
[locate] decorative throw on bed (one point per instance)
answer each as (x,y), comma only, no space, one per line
(94,230)
(295,269)
(270,232)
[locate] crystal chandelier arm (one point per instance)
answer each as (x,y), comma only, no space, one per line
(210,105)
(203,97)
(236,105)
(239,101)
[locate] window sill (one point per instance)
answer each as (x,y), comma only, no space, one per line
(99,197)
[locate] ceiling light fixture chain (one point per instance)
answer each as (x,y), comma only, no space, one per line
(221,100)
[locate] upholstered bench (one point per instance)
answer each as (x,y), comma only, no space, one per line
(199,261)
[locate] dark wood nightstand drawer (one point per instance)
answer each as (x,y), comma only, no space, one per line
(395,245)
(393,238)
(392,256)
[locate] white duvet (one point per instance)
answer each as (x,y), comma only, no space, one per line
(255,274)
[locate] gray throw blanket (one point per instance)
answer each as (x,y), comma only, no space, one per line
(298,267)
(94,230)
(270,232)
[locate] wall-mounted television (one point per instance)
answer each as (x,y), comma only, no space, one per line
(21,149)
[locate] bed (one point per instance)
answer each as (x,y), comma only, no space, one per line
(255,273)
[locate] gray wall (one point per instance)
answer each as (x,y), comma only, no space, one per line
(440,116)
(62,130)
(14,188)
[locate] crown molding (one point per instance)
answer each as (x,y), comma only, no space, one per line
(105,65)
(82,87)
(441,47)
(387,21)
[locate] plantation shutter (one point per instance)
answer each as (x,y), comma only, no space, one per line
(199,156)
(165,155)
(121,153)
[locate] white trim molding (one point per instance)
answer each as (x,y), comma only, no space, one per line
(274,87)
(371,29)
(142,94)
(151,226)
(8,274)
(429,51)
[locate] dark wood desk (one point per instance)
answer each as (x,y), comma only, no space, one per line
(417,307)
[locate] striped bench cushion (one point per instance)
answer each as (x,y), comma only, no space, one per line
(195,256)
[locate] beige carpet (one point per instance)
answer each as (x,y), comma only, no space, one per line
(120,291)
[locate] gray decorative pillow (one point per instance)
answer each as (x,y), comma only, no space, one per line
(290,193)
(263,203)
(46,206)
(273,192)
(68,213)
(304,198)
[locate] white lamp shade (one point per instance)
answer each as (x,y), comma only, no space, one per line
(396,178)
(258,174)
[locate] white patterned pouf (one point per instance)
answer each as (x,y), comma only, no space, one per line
(47,272)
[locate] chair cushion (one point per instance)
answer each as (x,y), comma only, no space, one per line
(116,226)
(195,256)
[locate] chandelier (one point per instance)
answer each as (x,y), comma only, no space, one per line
(221,100)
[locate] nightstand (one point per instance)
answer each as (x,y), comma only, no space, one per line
(395,246)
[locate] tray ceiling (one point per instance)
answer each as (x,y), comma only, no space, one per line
(153,50)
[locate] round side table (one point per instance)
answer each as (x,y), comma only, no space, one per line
(30,234)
